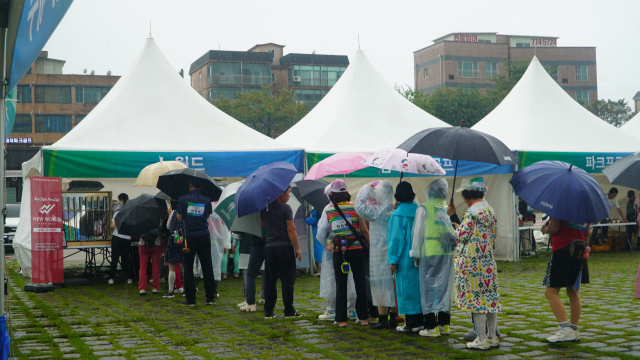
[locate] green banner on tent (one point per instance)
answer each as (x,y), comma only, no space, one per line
(590,162)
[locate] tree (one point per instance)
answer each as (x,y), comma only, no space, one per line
(260,110)
(451,105)
(615,113)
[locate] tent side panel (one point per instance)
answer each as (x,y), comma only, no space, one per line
(465,168)
(124,164)
(591,162)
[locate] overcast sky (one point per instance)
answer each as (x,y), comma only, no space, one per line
(104,35)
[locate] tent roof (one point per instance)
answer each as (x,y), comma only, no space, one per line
(538,115)
(361,113)
(632,126)
(151,108)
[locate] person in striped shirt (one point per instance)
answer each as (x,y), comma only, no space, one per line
(347,248)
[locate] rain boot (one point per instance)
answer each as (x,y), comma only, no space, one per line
(392,320)
(383,323)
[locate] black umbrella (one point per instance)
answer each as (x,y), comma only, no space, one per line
(625,172)
(312,191)
(162,196)
(296,192)
(175,183)
(141,215)
(460,143)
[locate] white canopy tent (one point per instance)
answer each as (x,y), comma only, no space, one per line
(540,121)
(364,113)
(632,126)
(150,114)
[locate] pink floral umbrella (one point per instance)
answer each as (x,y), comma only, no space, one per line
(399,160)
(338,164)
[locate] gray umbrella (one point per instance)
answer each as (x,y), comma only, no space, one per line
(312,191)
(625,172)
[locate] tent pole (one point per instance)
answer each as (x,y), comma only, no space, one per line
(3,135)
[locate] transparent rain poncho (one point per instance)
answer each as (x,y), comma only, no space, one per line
(376,205)
(434,245)
(220,240)
(327,275)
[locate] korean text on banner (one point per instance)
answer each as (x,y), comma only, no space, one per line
(46,230)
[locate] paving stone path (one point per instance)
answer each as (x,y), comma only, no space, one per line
(114,322)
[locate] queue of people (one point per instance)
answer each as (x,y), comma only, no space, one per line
(432,258)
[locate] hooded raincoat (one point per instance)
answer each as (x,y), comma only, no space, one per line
(327,275)
(376,205)
(220,240)
(399,245)
(434,245)
(476,282)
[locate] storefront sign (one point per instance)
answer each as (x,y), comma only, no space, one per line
(543,42)
(465,37)
(46,230)
(19,141)
(592,163)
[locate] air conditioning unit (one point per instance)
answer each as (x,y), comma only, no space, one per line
(297,79)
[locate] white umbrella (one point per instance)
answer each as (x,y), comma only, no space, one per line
(399,160)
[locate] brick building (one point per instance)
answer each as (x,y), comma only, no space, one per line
(49,105)
(471,59)
(227,73)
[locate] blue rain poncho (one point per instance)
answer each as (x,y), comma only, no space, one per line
(399,245)
(376,205)
(434,246)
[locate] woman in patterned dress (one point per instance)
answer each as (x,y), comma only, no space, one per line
(476,276)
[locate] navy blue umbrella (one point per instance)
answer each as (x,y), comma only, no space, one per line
(263,186)
(561,190)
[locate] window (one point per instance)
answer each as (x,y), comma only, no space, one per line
(226,92)
(426,72)
(272,52)
(331,74)
(468,69)
(239,74)
(583,97)
(305,75)
(450,77)
(53,123)
(582,73)
(12,196)
(523,45)
(29,71)
(53,94)
(24,93)
(90,94)
(553,72)
(79,118)
(273,78)
(484,41)
(491,69)
(565,81)
(310,97)
(22,123)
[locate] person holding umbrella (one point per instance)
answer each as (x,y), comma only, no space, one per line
(281,239)
(374,202)
(173,255)
(120,245)
(194,209)
(400,262)
(476,276)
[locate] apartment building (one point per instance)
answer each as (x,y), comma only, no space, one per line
(470,60)
(49,105)
(227,73)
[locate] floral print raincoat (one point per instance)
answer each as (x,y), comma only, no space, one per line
(476,276)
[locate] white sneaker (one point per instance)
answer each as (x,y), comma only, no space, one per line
(181,291)
(444,330)
(327,316)
(563,335)
(479,345)
(352,315)
(261,301)
(242,304)
(405,329)
(577,335)
(494,342)
(248,308)
(162,280)
(435,332)
(129,282)
(110,282)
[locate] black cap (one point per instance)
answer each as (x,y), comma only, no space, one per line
(613,191)
(630,193)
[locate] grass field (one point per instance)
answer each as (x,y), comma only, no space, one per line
(114,322)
